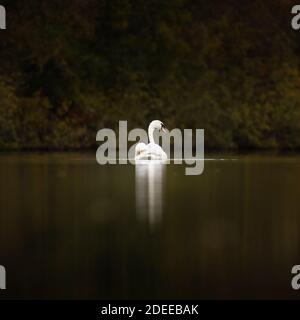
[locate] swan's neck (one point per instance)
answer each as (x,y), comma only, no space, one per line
(151,134)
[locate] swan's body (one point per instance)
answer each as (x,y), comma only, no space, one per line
(151,151)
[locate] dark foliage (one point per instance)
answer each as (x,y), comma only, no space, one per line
(69,68)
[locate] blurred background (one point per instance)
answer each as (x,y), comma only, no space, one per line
(69,68)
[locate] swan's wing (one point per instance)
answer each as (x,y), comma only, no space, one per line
(140,149)
(156,152)
(154,148)
(152,151)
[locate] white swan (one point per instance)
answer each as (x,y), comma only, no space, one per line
(151,151)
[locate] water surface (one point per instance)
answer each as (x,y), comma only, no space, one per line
(70,228)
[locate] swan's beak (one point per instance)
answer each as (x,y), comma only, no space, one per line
(165,130)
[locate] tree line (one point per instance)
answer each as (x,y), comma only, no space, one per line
(69,68)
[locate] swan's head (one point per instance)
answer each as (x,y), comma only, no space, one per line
(158,125)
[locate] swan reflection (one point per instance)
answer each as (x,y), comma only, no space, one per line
(149,181)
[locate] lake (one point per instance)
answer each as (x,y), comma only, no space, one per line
(70,228)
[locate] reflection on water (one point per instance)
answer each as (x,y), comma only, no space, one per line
(70,228)
(149,181)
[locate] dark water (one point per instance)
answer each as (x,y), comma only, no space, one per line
(70,228)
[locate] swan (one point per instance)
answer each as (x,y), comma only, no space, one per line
(151,151)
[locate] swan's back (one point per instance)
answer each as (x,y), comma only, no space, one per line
(151,151)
